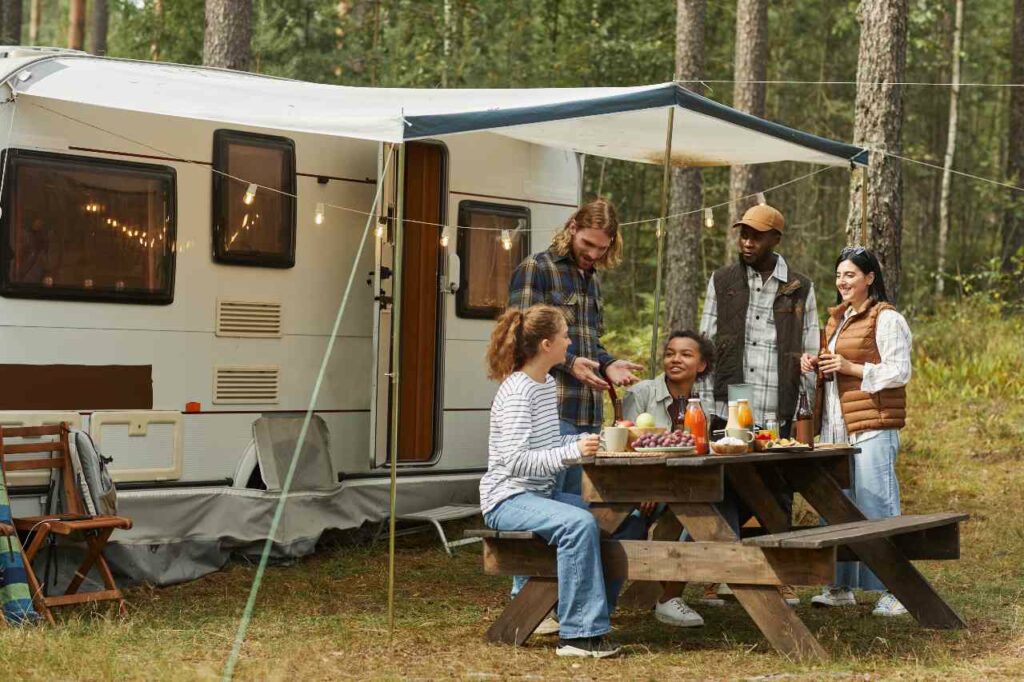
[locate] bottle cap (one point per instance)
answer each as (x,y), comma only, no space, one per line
(693,400)
(732,403)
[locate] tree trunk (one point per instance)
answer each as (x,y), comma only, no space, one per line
(34,19)
(947,162)
(1013,217)
(10,23)
(751,65)
(878,124)
(158,13)
(227,43)
(682,256)
(98,27)
(76,25)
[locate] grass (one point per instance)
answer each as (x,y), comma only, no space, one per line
(326,616)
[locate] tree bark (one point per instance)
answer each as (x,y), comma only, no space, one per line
(682,255)
(158,13)
(228,38)
(10,23)
(35,17)
(76,25)
(98,27)
(748,96)
(947,161)
(1013,217)
(878,124)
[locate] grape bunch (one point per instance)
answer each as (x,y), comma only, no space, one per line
(672,439)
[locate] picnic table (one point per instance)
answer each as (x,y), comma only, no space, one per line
(753,567)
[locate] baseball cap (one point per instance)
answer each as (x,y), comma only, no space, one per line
(762,218)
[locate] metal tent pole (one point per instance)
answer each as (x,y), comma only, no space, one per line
(864,206)
(660,236)
(396,327)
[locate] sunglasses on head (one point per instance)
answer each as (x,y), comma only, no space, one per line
(852,251)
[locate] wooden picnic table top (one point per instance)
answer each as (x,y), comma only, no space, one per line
(674,460)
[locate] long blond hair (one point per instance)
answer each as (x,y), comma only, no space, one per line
(598,214)
(517,336)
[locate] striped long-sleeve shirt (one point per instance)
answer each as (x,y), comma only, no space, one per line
(525,449)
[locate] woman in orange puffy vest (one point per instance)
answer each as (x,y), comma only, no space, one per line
(866,405)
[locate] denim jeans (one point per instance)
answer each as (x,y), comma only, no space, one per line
(876,492)
(570,480)
(584,599)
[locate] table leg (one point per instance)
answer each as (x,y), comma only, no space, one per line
(765,605)
(883,557)
(522,616)
(610,516)
(756,492)
(644,594)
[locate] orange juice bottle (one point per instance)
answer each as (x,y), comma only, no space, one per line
(745,414)
(696,422)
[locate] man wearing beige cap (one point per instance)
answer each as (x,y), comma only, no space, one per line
(762,317)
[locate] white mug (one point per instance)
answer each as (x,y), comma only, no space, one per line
(615,438)
(745,435)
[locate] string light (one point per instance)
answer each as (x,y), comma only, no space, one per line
(319,218)
(444,238)
(250,194)
(506,240)
(709,218)
(379,230)
(760,198)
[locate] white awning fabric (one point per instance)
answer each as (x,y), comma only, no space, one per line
(622,123)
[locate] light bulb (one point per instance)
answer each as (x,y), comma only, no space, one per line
(760,198)
(444,239)
(380,228)
(709,218)
(250,194)
(319,218)
(506,240)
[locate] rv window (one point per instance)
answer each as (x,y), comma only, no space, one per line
(486,264)
(254,229)
(87,229)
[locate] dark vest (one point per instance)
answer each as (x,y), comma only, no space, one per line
(733,297)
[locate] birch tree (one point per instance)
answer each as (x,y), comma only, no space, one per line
(682,257)
(878,125)
(228,38)
(947,160)
(1013,216)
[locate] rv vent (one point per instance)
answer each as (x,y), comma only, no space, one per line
(246,385)
(251,319)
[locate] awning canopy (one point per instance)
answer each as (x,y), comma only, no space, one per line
(621,123)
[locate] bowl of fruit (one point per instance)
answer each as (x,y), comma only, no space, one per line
(676,442)
(728,446)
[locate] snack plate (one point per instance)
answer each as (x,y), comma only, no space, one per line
(789,448)
(675,449)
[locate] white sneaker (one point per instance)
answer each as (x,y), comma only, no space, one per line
(888,606)
(548,626)
(834,596)
(676,612)
(724,591)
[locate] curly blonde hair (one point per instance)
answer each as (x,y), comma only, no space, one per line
(517,336)
(598,214)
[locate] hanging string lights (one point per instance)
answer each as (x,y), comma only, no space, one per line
(444,238)
(709,217)
(250,194)
(319,218)
(506,240)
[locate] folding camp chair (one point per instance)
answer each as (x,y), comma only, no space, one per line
(75,521)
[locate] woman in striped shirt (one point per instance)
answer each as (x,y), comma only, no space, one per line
(525,453)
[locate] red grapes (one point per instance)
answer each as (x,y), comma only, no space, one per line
(672,439)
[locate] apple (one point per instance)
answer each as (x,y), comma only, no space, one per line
(645,420)
(624,422)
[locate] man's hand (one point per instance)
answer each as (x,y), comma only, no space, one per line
(588,371)
(808,362)
(621,372)
(587,444)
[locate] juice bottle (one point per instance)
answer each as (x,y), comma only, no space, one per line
(696,422)
(745,414)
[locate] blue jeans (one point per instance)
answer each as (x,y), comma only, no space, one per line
(584,599)
(876,492)
(570,480)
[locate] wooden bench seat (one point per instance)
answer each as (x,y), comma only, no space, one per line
(930,535)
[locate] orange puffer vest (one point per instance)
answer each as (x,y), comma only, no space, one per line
(862,411)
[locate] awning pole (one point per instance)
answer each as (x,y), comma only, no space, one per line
(396,330)
(660,236)
(864,206)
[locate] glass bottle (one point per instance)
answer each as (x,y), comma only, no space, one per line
(803,427)
(696,422)
(771,424)
(733,423)
(745,414)
(824,376)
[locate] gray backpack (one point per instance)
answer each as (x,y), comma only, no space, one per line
(92,475)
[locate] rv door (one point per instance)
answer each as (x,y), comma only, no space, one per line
(382,280)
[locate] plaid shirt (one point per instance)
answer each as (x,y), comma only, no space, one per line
(760,353)
(555,280)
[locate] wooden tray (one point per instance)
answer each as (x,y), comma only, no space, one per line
(649,453)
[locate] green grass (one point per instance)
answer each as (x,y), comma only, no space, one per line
(326,616)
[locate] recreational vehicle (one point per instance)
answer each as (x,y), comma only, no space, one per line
(176,242)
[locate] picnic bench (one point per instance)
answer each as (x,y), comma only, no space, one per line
(754,567)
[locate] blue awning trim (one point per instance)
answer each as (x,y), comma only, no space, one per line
(420,127)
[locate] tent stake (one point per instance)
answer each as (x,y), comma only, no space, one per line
(660,236)
(396,327)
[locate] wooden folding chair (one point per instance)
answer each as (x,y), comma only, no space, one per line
(95,530)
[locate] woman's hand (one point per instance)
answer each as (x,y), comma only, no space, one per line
(808,363)
(836,363)
(587,444)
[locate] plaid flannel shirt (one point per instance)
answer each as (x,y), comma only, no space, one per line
(555,280)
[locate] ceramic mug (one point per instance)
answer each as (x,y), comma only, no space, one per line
(745,435)
(615,438)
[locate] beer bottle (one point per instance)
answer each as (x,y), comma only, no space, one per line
(824,376)
(803,423)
